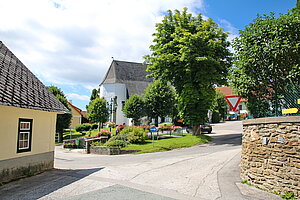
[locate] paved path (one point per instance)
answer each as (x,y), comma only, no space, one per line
(207,171)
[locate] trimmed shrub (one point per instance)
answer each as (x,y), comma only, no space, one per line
(123,137)
(115,143)
(135,135)
(83,127)
(94,126)
(86,127)
(97,143)
(79,128)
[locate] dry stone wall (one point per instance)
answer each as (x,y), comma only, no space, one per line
(271,154)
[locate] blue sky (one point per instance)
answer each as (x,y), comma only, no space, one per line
(69,43)
(241,12)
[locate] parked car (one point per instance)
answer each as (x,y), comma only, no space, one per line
(206,128)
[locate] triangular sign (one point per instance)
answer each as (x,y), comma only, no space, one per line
(233,101)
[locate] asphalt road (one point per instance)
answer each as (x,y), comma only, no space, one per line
(209,171)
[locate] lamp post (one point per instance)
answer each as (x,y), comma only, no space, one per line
(112,108)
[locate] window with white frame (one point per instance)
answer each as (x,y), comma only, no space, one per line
(24,135)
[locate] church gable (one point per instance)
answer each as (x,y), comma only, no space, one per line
(132,74)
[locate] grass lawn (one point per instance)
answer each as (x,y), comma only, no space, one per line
(168,124)
(167,144)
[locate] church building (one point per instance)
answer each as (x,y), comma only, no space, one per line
(122,80)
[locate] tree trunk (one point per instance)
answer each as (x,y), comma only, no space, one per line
(149,121)
(60,137)
(156,121)
(136,122)
(196,130)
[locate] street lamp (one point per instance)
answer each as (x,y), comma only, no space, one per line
(112,108)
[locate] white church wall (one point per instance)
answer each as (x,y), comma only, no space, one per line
(109,91)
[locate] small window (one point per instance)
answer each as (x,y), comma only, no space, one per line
(24,135)
(240,107)
(123,105)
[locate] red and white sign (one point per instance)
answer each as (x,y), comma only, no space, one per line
(233,101)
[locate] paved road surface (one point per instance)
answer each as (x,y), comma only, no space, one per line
(207,171)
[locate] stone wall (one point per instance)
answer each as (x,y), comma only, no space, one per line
(109,150)
(104,150)
(271,154)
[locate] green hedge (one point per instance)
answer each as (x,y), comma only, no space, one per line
(83,127)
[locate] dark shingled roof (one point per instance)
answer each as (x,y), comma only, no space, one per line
(19,87)
(132,74)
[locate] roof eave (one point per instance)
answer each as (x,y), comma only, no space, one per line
(59,111)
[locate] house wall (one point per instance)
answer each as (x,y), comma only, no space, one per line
(14,165)
(76,118)
(109,91)
(243,104)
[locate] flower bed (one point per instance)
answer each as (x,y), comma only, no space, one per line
(120,128)
(177,129)
(70,144)
(110,124)
(103,133)
(74,143)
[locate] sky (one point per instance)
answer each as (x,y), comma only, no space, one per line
(71,43)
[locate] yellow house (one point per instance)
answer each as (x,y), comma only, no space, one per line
(78,116)
(27,120)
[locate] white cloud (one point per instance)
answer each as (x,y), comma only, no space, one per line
(72,96)
(91,87)
(233,32)
(72,41)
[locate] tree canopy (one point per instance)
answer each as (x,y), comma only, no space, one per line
(56,91)
(97,111)
(267,59)
(95,94)
(218,107)
(63,120)
(134,108)
(159,100)
(192,54)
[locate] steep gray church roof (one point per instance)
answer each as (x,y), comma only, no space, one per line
(132,74)
(19,87)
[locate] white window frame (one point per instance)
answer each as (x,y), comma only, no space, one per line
(25,128)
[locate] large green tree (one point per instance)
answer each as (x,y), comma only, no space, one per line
(134,108)
(159,100)
(95,94)
(192,54)
(218,107)
(97,111)
(267,60)
(63,120)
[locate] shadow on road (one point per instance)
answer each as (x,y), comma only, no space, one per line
(45,183)
(232,139)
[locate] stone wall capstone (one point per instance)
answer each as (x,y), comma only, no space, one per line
(102,150)
(271,154)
